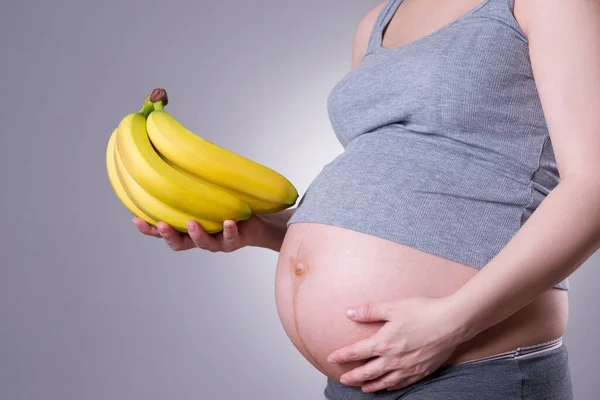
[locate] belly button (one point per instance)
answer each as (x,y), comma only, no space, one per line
(299,268)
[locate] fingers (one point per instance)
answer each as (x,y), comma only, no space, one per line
(228,239)
(369,371)
(374,376)
(200,238)
(394,379)
(145,227)
(360,350)
(369,312)
(175,240)
(231,237)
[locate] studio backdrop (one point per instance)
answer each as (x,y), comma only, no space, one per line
(90,309)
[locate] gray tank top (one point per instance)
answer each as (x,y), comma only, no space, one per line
(446,148)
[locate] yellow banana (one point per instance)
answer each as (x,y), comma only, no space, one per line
(247,179)
(168,185)
(258,206)
(118,187)
(159,211)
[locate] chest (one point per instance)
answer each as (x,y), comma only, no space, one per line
(453,81)
(414,19)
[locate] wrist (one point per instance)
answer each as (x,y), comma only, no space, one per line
(271,230)
(461,323)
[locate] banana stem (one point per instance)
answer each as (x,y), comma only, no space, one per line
(158,106)
(159,99)
(159,95)
(147,108)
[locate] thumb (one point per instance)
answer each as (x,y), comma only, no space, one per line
(369,312)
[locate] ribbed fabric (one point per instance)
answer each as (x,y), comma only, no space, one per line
(446,148)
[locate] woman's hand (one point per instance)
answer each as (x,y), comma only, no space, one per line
(232,237)
(419,335)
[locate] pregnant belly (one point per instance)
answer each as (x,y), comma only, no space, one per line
(323,269)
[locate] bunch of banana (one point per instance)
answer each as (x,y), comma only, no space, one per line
(161,171)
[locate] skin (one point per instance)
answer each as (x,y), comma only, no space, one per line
(564,42)
(266,231)
(420,333)
(233,237)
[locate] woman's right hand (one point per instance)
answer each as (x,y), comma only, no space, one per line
(233,236)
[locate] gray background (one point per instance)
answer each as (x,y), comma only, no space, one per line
(90,308)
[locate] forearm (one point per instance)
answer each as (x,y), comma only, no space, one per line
(557,238)
(274,229)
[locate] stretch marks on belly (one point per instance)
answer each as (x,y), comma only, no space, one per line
(299,270)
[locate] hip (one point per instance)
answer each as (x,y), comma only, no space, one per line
(538,372)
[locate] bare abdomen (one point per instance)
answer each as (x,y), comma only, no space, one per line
(323,269)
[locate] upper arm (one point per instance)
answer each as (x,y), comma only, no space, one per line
(564,47)
(363,32)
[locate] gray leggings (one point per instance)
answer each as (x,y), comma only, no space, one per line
(538,372)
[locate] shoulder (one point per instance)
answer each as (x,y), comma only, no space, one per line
(363,32)
(528,13)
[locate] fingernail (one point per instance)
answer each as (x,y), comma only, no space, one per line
(191,226)
(351,312)
(344,380)
(331,360)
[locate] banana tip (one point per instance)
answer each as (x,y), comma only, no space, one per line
(159,95)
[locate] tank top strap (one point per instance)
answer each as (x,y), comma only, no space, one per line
(384,15)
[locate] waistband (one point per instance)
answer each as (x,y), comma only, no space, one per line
(518,352)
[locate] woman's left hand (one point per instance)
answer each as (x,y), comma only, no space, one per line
(419,334)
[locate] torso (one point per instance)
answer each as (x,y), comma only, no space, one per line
(323,269)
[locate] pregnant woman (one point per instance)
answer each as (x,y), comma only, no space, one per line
(430,259)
